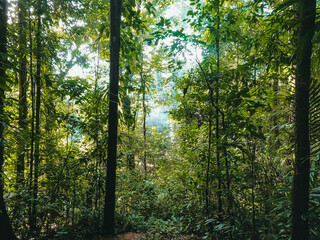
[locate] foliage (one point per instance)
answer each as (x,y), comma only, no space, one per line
(229,140)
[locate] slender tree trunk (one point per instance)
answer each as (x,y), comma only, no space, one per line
(300,193)
(227,167)
(275,118)
(33,114)
(6,231)
(109,209)
(21,149)
(37,127)
(143,83)
(98,144)
(217,114)
(208,164)
(253,220)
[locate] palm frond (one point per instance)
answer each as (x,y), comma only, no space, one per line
(314,117)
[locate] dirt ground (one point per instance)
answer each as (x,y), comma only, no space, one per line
(126,236)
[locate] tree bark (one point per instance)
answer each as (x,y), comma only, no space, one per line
(32,92)
(300,192)
(208,163)
(253,220)
(109,209)
(37,127)
(6,231)
(143,83)
(21,139)
(217,115)
(275,117)
(228,179)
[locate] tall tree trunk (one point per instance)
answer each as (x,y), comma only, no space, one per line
(109,208)
(31,164)
(227,167)
(275,106)
(217,114)
(208,162)
(21,149)
(96,137)
(143,83)
(253,220)
(6,231)
(37,127)
(300,192)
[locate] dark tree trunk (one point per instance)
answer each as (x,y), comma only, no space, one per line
(6,231)
(253,220)
(32,92)
(227,167)
(217,115)
(208,162)
(21,149)
(275,117)
(109,209)
(300,193)
(97,134)
(37,127)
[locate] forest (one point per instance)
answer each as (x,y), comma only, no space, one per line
(160,119)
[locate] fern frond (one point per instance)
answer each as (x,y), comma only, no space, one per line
(314,117)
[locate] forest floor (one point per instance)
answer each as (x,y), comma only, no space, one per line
(126,236)
(142,236)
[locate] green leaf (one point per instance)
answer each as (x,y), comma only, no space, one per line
(285,5)
(190,13)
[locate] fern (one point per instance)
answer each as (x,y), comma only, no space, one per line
(314,117)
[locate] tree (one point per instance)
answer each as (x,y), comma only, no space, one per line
(143,86)
(23,108)
(217,111)
(6,231)
(300,192)
(109,208)
(32,93)
(37,118)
